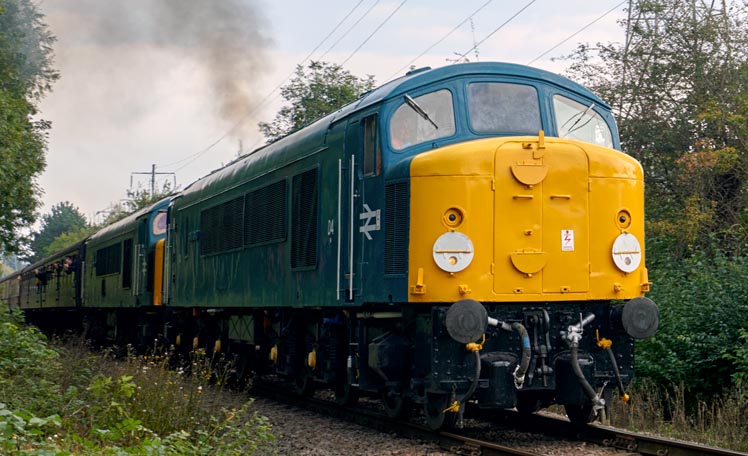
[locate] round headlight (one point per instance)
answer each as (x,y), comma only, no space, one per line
(453,251)
(627,252)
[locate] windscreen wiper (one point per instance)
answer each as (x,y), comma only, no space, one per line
(415,107)
(579,119)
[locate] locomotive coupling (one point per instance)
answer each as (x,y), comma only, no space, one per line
(574,332)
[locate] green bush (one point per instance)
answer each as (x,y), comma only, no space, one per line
(703,303)
(67,401)
(28,367)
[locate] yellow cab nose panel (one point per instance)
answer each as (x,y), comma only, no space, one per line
(542,215)
(541,234)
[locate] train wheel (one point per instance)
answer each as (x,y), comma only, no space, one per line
(346,394)
(394,403)
(304,383)
(580,414)
(435,414)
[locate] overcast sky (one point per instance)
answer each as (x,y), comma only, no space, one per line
(182,83)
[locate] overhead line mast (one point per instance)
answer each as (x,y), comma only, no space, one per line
(153,174)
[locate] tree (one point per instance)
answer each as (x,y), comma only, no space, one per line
(679,88)
(26,73)
(63,217)
(136,200)
(68,238)
(312,93)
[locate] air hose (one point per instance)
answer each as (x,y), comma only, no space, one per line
(521,369)
(457,405)
(606,345)
(473,385)
(585,384)
(573,336)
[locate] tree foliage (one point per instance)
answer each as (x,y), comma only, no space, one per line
(26,73)
(63,217)
(679,87)
(136,199)
(313,92)
(68,238)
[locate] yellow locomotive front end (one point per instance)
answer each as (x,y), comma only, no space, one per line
(535,246)
(526,220)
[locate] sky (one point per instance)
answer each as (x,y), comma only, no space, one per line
(182,84)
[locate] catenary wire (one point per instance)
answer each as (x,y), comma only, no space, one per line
(374,32)
(498,28)
(457,27)
(575,33)
(353,26)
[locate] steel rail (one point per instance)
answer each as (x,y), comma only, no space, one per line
(617,438)
(629,442)
(448,441)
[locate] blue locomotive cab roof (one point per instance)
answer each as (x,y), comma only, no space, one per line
(431,108)
(462,102)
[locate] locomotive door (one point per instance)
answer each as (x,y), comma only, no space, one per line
(360,208)
(140,263)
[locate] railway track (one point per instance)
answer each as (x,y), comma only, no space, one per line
(464,442)
(617,438)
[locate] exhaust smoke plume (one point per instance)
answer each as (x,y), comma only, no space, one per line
(132,46)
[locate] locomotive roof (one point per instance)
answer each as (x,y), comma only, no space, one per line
(126,223)
(313,136)
(424,76)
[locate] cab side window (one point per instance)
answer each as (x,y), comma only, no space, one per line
(372,160)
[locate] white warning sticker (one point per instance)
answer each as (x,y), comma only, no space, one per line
(567,240)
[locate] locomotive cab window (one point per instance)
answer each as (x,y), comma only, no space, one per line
(576,121)
(371,146)
(158,227)
(422,119)
(498,107)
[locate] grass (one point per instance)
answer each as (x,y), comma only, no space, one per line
(721,422)
(63,399)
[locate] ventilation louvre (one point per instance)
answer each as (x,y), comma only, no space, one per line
(396,208)
(221,227)
(304,232)
(265,215)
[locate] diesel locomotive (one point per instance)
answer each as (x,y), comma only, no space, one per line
(466,234)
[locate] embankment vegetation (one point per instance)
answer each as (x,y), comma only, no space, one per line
(61,400)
